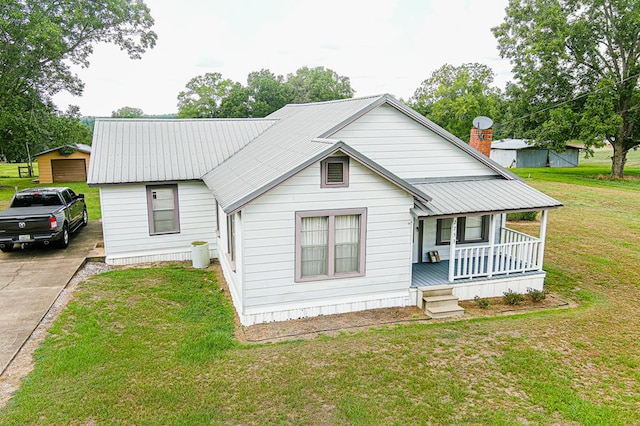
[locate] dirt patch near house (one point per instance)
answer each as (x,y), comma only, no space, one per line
(353,322)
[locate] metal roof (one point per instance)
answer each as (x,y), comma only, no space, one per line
(278,152)
(450,198)
(154,150)
(517,144)
(78,146)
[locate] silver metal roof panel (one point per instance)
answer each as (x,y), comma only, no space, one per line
(481,196)
(155,150)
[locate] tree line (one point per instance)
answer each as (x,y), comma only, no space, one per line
(576,69)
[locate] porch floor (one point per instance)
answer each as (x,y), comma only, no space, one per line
(424,274)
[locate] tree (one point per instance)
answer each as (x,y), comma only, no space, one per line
(576,65)
(264,93)
(40,39)
(318,84)
(204,96)
(453,96)
(127,112)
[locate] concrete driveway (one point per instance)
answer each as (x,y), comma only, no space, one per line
(30,282)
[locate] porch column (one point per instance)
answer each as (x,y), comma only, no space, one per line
(420,239)
(492,242)
(543,237)
(452,247)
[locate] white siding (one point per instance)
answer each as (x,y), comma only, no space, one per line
(268,229)
(125,224)
(407,148)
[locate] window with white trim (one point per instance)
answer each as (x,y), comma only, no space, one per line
(471,229)
(334,172)
(330,244)
(162,208)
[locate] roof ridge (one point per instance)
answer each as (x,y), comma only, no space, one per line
(215,120)
(334,101)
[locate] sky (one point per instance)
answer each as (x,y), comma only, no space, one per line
(383,46)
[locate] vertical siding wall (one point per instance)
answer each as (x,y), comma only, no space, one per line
(407,148)
(269,246)
(126,228)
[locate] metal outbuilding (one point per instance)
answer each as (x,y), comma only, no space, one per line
(522,153)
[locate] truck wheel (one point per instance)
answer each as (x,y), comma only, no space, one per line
(7,248)
(85,217)
(64,241)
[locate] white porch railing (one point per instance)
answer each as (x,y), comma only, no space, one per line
(517,252)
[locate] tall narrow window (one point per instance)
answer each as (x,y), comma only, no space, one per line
(330,244)
(334,172)
(314,244)
(231,236)
(162,207)
(347,243)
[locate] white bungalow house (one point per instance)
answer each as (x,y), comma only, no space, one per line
(318,208)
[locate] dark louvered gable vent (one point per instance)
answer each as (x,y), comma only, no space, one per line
(335,172)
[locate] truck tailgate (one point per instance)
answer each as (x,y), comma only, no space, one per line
(13,221)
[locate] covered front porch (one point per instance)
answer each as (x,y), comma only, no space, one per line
(462,239)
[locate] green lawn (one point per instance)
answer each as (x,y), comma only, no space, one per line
(155,346)
(10,180)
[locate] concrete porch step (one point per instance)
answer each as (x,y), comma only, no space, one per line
(444,311)
(436,290)
(436,301)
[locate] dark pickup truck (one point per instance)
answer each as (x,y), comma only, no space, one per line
(42,215)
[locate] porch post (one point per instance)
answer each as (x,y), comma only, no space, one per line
(492,242)
(452,248)
(420,239)
(543,237)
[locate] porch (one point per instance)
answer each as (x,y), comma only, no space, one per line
(487,270)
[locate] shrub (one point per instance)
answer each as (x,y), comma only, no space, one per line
(482,303)
(536,295)
(512,298)
(527,216)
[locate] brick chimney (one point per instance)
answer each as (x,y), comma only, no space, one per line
(481,140)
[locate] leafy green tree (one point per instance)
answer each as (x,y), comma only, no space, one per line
(267,93)
(318,84)
(204,96)
(453,96)
(264,93)
(576,65)
(127,112)
(40,39)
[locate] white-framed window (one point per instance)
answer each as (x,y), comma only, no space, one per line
(163,210)
(334,172)
(471,229)
(330,244)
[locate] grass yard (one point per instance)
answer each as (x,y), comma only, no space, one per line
(9,180)
(155,346)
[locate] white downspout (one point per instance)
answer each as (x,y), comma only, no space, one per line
(452,247)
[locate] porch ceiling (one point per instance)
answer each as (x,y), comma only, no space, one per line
(451,198)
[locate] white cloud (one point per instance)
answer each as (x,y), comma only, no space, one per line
(383,46)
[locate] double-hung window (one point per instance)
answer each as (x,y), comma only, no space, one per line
(162,208)
(471,229)
(330,244)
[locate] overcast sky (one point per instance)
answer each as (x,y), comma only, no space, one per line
(387,46)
